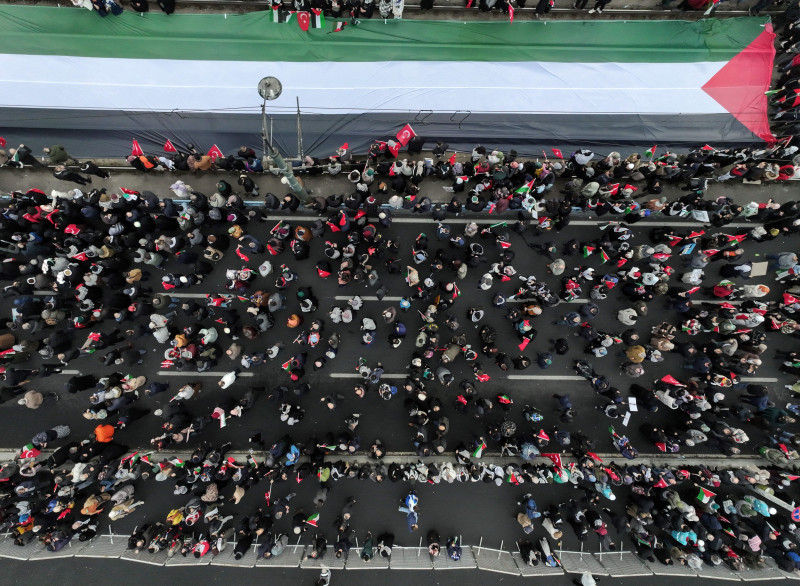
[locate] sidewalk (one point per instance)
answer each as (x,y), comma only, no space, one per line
(122,175)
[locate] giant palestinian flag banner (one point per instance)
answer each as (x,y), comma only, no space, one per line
(96,83)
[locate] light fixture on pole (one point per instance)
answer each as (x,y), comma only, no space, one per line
(269,88)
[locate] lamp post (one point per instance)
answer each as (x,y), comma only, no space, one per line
(269,88)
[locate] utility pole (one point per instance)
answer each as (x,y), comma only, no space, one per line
(269,88)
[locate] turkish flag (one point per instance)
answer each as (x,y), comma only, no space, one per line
(510,13)
(395,149)
(136,150)
(304,20)
(214,152)
(406,133)
(29,452)
(2,142)
(556,458)
(557,153)
(168,147)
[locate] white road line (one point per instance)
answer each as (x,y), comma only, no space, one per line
(425,219)
(179,295)
(759,380)
(355,375)
(394,298)
(358,376)
(218,374)
(544,377)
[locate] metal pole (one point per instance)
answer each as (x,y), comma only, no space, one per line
(299,132)
(281,165)
(289,175)
(480,543)
(419,549)
(501,550)
(264,133)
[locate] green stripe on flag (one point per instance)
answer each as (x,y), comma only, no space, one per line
(40,30)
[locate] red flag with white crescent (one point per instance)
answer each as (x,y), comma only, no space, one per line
(169,147)
(406,133)
(556,458)
(136,150)
(214,153)
(304,20)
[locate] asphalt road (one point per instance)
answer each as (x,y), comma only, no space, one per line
(473,510)
(388,419)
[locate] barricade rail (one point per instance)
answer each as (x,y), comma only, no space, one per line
(616,564)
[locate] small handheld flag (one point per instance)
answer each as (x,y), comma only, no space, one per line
(705,496)
(169,147)
(136,150)
(405,134)
(214,153)
(557,153)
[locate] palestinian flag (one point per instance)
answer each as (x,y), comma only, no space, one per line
(651,151)
(603,255)
(525,188)
(313,520)
(159,65)
(705,496)
(478,451)
(281,16)
(588,251)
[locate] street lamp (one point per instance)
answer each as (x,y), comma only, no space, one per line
(269,88)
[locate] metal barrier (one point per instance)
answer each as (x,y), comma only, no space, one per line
(410,558)
(617,564)
(578,562)
(622,563)
(495,560)
(329,560)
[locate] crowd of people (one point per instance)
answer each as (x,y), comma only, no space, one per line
(111,264)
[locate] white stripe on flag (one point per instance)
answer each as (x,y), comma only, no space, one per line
(525,87)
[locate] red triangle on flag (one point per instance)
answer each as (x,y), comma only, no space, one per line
(169,147)
(136,150)
(740,85)
(214,153)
